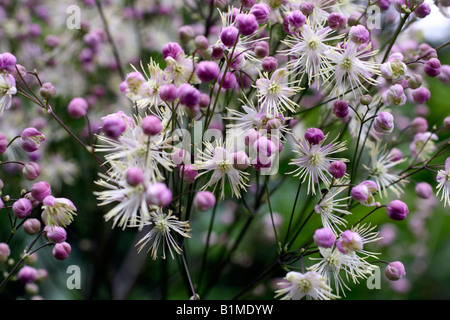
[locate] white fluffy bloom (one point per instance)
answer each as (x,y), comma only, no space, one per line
(311,285)
(443,179)
(7,89)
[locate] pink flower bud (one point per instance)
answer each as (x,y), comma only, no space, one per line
(337,21)
(31,171)
(349,241)
(8,62)
(229,36)
(395,154)
(189,95)
(422,10)
(269,64)
(158,194)
(251,136)
(31,226)
(204,200)
(247,3)
(186,33)
(134,176)
(207,71)
(295,20)
(446,123)
(394,96)
(419,124)
(397,210)
(360,193)
(384,122)
(307,8)
(201,42)
(113,126)
(77,108)
(168,92)
(55,234)
(444,76)
(27,274)
(61,250)
(424,190)
(188,173)
(359,34)
(40,190)
(421,95)
(395,271)
(22,208)
(324,238)
(151,125)
(240,160)
(337,169)
(3,143)
(217,51)
(264,146)
(5,252)
(261,49)
(261,11)
(204,100)
(31,139)
(47,91)
(340,109)
(314,135)
(246,24)
(171,49)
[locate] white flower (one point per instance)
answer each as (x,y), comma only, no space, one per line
(311,285)
(353,263)
(163,224)
(443,179)
(219,160)
(7,89)
(423,145)
(132,206)
(57,211)
(329,207)
(181,69)
(381,170)
(136,149)
(308,52)
(313,161)
(274,93)
(351,68)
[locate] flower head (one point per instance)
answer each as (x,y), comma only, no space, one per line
(57,211)
(443,179)
(311,285)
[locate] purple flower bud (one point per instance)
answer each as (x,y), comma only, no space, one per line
(51,41)
(349,241)
(314,135)
(295,20)
(395,154)
(397,210)
(261,161)
(31,139)
(269,64)
(8,62)
(384,4)
(384,122)
(419,124)
(447,123)
(61,250)
(134,176)
(264,146)
(395,95)
(40,190)
(207,71)
(247,3)
(432,67)
(204,100)
(359,193)
(27,274)
(261,49)
(204,200)
(171,49)
(251,136)
(307,8)
(186,33)
(240,160)
(217,51)
(359,34)
(421,95)
(228,81)
(229,36)
(158,194)
(31,226)
(261,11)
(31,171)
(246,24)
(5,252)
(55,234)
(3,143)
(422,10)
(168,92)
(47,91)
(22,208)
(340,109)
(337,21)
(77,108)
(324,238)
(444,76)
(189,95)
(337,169)
(151,125)
(395,271)
(188,173)
(113,126)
